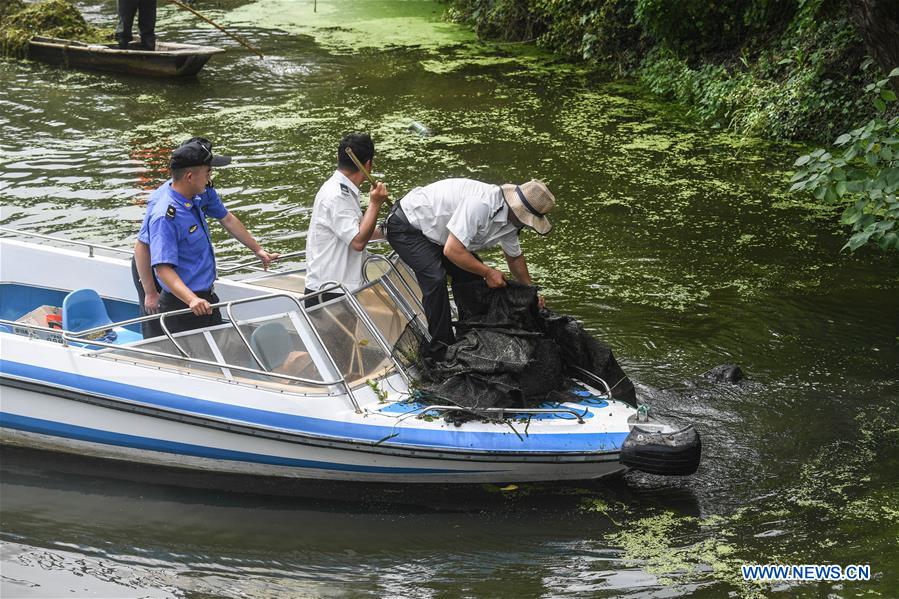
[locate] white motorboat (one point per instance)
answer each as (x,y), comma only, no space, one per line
(279,390)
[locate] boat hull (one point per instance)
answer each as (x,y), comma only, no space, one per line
(81,428)
(169,60)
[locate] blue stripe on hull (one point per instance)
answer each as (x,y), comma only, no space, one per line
(68,431)
(435,439)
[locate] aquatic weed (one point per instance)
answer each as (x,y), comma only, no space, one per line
(49,18)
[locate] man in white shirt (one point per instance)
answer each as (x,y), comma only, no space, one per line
(338,231)
(436,230)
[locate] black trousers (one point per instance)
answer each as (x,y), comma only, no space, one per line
(431,269)
(146,22)
(149,328)
(188,322)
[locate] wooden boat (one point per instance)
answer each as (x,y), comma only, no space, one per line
(168,60)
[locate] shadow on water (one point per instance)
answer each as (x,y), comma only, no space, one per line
(153,529)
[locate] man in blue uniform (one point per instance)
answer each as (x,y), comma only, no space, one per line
(180,248)
(145,281)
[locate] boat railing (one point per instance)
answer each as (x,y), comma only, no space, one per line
(88,337)
(229,267)
(251,264)
(223,268)
(91,246)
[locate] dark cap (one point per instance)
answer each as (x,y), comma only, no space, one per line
(195,152)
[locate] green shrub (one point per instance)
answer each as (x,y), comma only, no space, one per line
(862,172)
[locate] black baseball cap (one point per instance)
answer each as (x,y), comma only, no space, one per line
(196,151)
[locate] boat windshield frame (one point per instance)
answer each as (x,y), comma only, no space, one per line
(338,379)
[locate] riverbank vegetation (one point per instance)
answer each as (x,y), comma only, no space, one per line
(789,70)
(19,22)
(779,69)
(861,172)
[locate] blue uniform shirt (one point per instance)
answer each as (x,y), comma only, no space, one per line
(207,197)
(179,235)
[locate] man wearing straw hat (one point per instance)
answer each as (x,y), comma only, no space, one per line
(338,230)
(437,228)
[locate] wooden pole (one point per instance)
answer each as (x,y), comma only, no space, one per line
(361,167)
(233,36)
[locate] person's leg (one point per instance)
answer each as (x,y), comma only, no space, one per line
(461,282)
(318,299)
(146,327)
(141,296)
(169,302)
(426,261)
(146,24)
(126,9)
(216,317)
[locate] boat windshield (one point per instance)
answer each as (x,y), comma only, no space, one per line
(341,343)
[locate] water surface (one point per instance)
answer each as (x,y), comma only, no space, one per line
(676,244)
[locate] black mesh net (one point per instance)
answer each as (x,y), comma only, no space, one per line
(511,354)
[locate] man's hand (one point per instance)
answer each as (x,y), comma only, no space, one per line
(378,194)
(151,302)
(200,307)
(495,279)
(541,302)
(266,258)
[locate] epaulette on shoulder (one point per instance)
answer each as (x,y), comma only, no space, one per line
(170,211)
(345,189)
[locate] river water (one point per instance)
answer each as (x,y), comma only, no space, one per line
(674,243)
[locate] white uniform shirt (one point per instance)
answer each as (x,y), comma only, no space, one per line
(335,222)
(474,212)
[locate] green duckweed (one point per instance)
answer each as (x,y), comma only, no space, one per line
(50,18)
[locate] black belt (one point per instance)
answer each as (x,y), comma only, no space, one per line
(397,213)
(209,291)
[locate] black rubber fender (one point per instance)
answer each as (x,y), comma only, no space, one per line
(668,454)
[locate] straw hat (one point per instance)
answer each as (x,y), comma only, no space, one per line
(531,202)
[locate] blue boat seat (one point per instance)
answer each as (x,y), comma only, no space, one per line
(83,309)
(272,343)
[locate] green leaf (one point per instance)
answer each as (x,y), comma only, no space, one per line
(894,73)
(838,174)
(820,191)
(802,160)
(851,215)
(841,188)
(888,95)
(844,138)
(886,153)
(880,105)
(871,159)
(858,240)
(817,153)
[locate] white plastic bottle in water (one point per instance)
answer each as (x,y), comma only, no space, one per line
(420,129)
